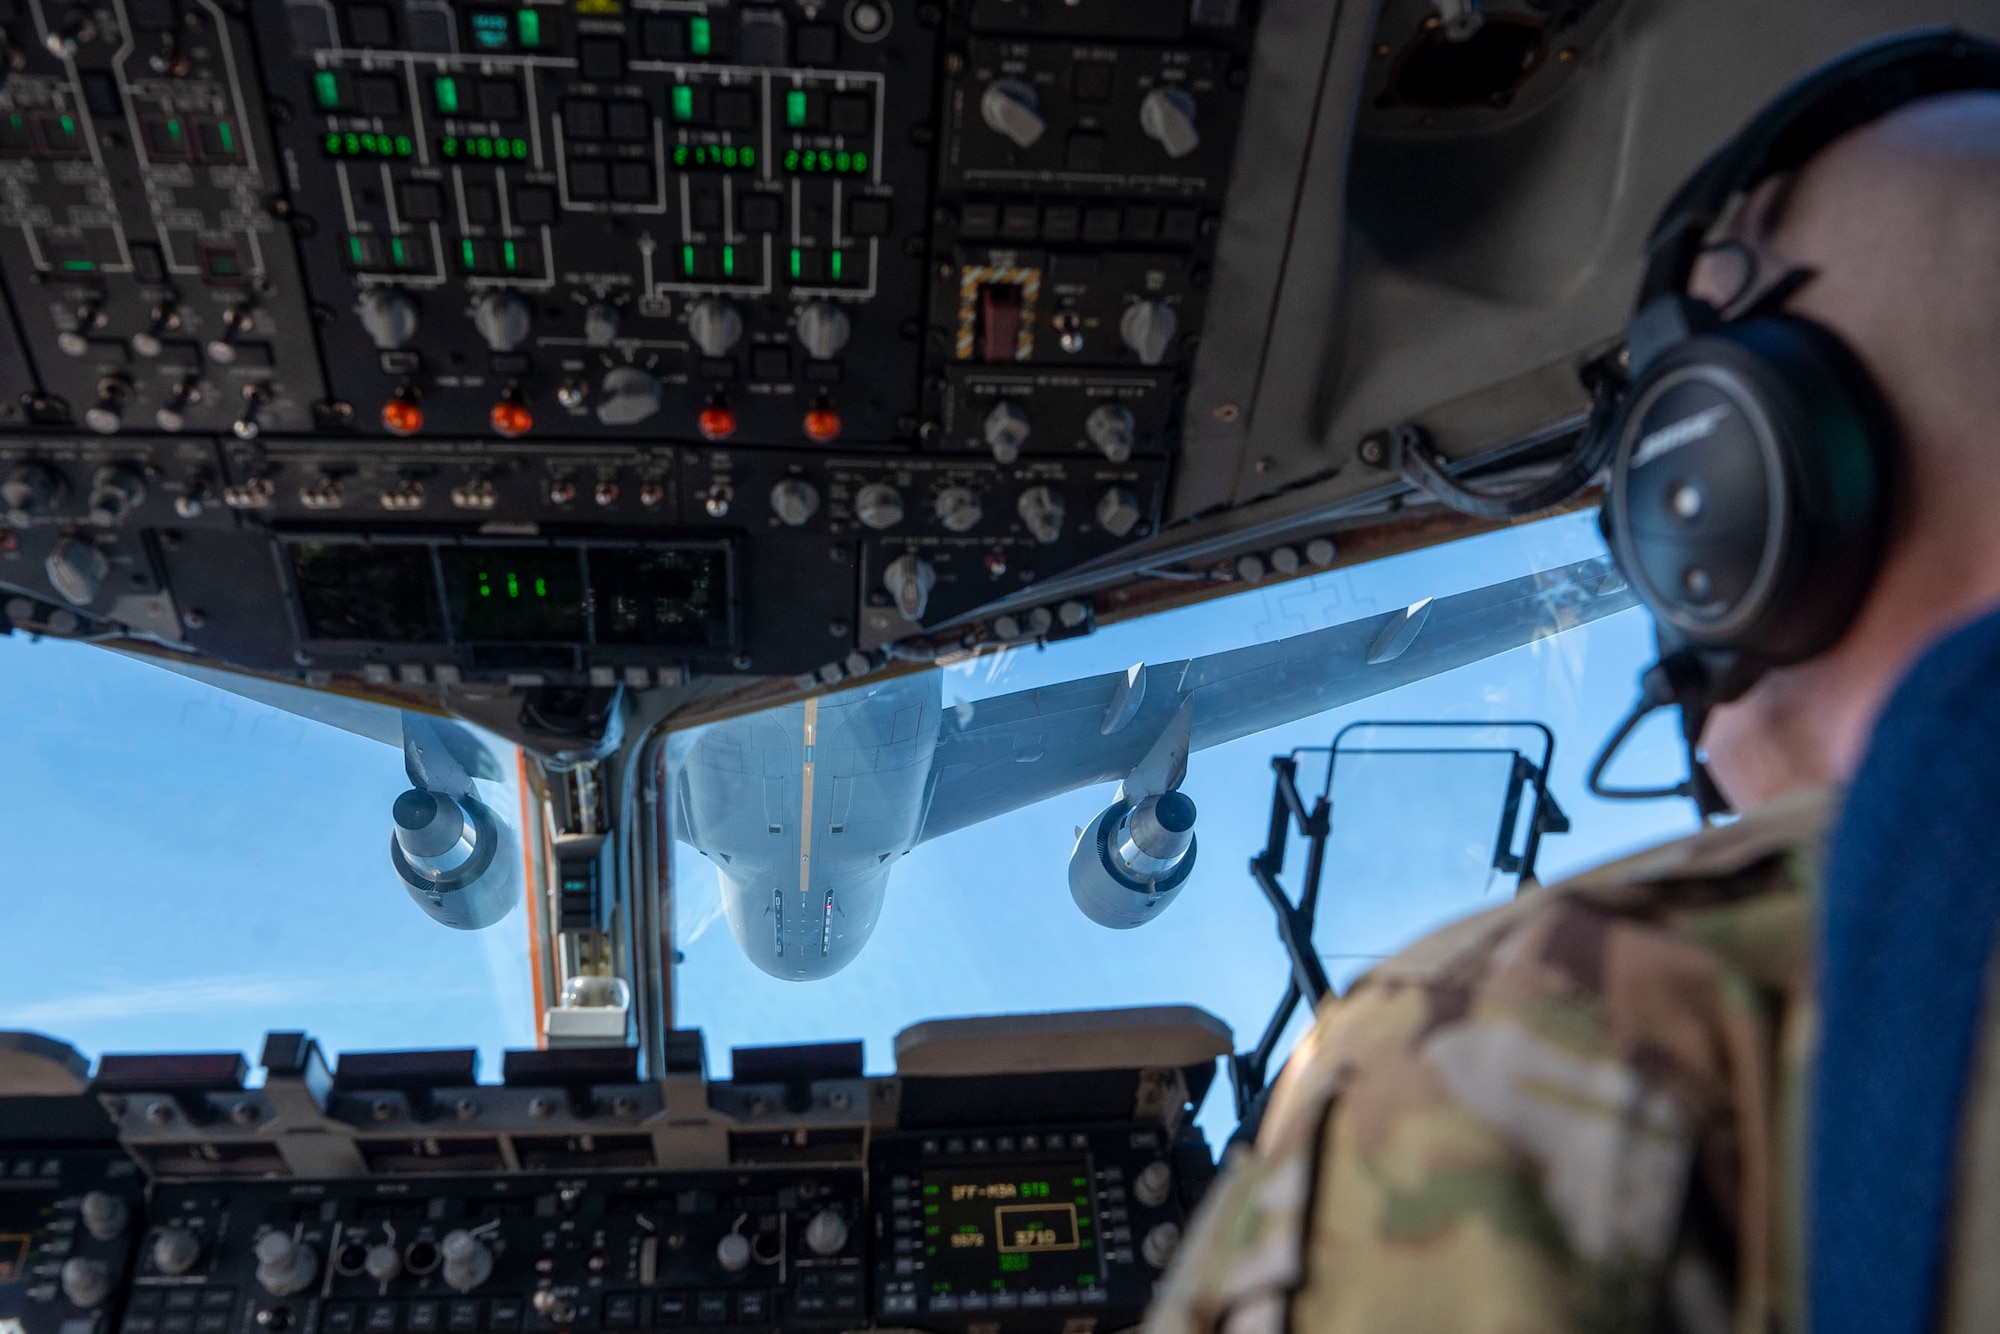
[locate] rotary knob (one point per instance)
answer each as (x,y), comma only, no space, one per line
(878,505)
(1118,511)
(1006,429)
(175,1250)
(827,1233)
(715,326)
(794,500)
(1167,117)
(389,317)
(76,569)
(1153,1184)
(284,1265)
(382,1262)
(1110,427)
(627,396)
(733,1252)
(1042,511)
(958,509)
(104,1214)
(468,1261)
(115,491)
(910,579)
(1148,329)
(85,1282)
(1160,1243)
(503,320)
(1008,107)
(823,328)
(600,324)
(30,491)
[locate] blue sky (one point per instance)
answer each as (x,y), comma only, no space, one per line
(188,870)
(981,921)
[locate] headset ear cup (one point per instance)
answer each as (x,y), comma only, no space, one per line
(1842,440)
(1746,499)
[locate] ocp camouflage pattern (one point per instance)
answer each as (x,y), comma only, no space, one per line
(1577,1112)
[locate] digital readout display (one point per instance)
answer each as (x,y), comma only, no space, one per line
(667,595)
(825,162)
(1010,1228)
(514,595)
(714,157)
(484,147)
(366,143)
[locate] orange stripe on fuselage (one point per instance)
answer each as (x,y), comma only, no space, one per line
(532,892)
(806,799)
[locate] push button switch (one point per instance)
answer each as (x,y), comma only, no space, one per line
(600,59)
(583,120)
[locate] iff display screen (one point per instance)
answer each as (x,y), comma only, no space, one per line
(1010,1228)
(514,595)
(22,1213)
(358,591)
(672,597)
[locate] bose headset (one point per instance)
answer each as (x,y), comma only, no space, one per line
(1751,455)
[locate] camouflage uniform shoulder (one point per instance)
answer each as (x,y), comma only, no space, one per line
(1502,1128)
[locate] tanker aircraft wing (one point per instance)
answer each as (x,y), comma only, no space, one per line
(417,735)
(1022,748)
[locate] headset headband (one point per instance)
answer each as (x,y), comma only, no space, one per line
(1850,91)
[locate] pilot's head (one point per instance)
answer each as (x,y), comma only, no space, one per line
(1896,223)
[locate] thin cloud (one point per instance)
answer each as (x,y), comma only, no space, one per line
(209,995)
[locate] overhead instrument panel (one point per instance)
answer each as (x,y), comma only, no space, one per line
(143,228)
(581,343)
(611,222)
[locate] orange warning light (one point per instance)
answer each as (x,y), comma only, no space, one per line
(822,424)
(717,422)
(402,416)
(510,417)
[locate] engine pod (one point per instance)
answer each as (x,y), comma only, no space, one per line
(1131,861)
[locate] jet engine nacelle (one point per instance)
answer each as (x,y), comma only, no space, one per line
(1130,861)
(455,857)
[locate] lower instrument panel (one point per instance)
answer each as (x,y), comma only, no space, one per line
(743,1250)
(68,1218)
(393,1195)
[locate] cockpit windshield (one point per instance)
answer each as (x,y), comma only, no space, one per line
(1060,826)
(188,869)
(978,838)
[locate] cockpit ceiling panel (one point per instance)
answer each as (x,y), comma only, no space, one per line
(1442,233)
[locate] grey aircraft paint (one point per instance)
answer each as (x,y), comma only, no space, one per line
(805,809)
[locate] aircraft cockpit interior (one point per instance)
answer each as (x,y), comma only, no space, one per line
(745,666)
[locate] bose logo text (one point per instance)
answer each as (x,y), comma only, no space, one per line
(1683,432)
